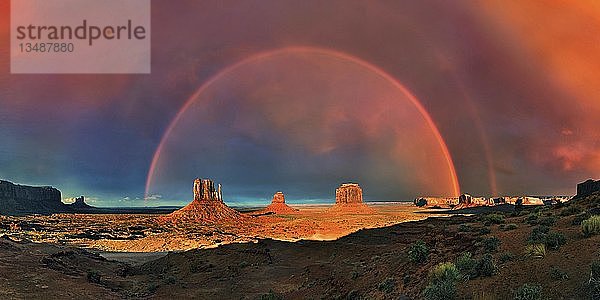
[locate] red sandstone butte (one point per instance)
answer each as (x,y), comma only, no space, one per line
(349,198)
(207,206)
(278,205)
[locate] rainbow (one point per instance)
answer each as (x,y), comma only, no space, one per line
(304,50)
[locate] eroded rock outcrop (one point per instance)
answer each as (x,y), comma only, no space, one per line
(349,198)
(207,206)
(80,204)
(21,199)
(278,205)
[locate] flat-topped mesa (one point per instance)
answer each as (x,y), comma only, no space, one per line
(348,193)
(207,206)
(349,199)
(204,190)
(588,187)
(18,199)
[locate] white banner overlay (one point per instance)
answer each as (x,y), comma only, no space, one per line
(80,36)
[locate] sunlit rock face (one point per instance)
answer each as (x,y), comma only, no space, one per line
(349,199)
(278,198)
(204,189)
(348,193)
(207,206)
(278,205)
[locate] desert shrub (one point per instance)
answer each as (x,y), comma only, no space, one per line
(595,273)
(442,282)
(445,290)
(535,250)
(444,271)
(170,280)
(528,292)
(418,252)
(353,295)
(464,228)
(580,218)
(511,226)
(491,244)
(506,256)
(557,274)
(483,295)
(571,210)
(493,218)
(93,276)
(388,285)
(594,281)
(532,218)
(467,265)
(484,230)
(548,221)
(486,266)
(270,296)
(538,234)
(591,226)
(554,240)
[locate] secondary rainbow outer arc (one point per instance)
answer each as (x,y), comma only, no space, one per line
(334,53)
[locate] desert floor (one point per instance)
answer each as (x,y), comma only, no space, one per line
(370,263)
(147,233)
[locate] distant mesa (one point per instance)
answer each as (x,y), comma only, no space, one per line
(349,198)
(278,205)
(468,201)
(207,206)
(588,187)
(22,199)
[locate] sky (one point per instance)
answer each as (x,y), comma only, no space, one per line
(406,98)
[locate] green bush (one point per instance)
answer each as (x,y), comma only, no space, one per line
(538,234)
(388,285)
(493,218)
(445,290)
(442,282)
(93,276)
(467,265)
(270,296)
(511,226)
(594,281)
(418,252)
(557,274)
(491,244)
(571,210)
(536,250)
(554,240)
(506,256)
(484,230)
(444,271)
(532,218)
(529,292)
(486,266)
(580,218)
(548,221)
(464,228)
(595,266)
(591,226)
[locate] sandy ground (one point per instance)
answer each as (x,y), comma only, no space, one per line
(146,233)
